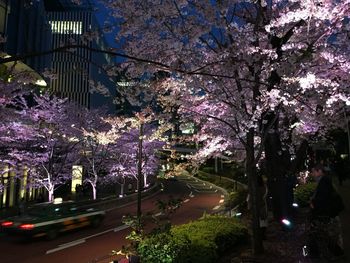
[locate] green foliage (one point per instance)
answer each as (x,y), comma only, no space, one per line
(163,247)
(219,181)
(233,171)
(303,193)
(201,241)
(236,198)
(136,234)
(208,169)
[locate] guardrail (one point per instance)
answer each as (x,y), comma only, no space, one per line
(223,210)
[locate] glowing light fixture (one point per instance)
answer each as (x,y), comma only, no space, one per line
(286,222)
(58,200)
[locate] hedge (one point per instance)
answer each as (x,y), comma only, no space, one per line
(200,241)
(236,198)
(214,179)
(303,193)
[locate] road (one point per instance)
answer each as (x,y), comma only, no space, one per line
(88,244)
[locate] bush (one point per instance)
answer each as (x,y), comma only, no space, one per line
(201,241)
(219,181)
(236,198)
(163,248)
(208,169)
(303,193)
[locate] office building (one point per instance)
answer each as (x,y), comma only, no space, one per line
(24,29)
(79,70)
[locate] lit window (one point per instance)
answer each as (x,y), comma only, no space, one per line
(66,27)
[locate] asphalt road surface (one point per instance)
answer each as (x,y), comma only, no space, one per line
(88,244)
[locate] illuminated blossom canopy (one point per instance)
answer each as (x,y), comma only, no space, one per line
(44,146)
(262,76)
(125,159)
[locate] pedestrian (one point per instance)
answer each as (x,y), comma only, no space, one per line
(325,204)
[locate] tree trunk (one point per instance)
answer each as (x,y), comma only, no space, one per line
(257,244)
(51,195)
(281,173)
(139,173)
(121,190)
(145,184)
(277,164)
(94,192)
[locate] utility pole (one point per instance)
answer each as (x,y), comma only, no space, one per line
(139,172)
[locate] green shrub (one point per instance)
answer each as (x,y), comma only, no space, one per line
(208,169)
(217,180)
(236,198)
(201,241)
(303,193)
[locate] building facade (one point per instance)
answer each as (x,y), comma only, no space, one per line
(25,27)
(79,71)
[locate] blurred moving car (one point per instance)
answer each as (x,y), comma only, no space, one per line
(49,219)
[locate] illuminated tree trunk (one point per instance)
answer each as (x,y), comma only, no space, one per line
(94,192)
(145,183)
(139,172)
(122,190)
(51,195)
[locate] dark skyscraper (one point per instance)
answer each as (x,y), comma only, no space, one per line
(78,71)
(25,29)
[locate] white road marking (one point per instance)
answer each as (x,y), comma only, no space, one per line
(82,240)
(222,196)
(216,207)
(64,246)
(186,200)
(188,186)
(120,228)
(73,243)
(191,194)
(221,201)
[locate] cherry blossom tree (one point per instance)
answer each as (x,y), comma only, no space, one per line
(51,153)
(99,144)
(127,143)
(13,132)
(262,76)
